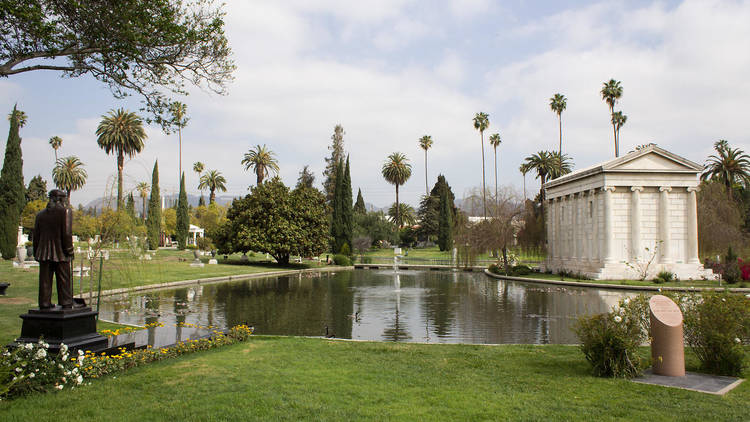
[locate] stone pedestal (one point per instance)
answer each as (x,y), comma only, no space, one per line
(212,261)
(667,346)
(75,327)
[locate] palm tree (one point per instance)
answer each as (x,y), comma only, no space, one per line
(728,166)
(396,171)
(562,164)
(524,169)
(69,174)
(618,120)
(611,92)
(558,104)
(544,164)
(178,110)
(143,190)
(55,142)
(198,168)
(262,161)
(19,115)
(481,123)
(121,133)
(213,180)
(425,143)
(404,216)
(495,141)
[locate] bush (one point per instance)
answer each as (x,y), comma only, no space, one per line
(716,328)
(342,260)
(30,367)
(345,250)
(521,270)
(664,277)
(610,344)
(205,244)
(366,259)
(744,269)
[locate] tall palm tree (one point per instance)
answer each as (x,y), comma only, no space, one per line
(262,161)
(562,164)
(55,142)
(618,120)
(213,181)
(728,166)
(543,163)
(121,133)
(558,103)
(396,171)
(143,189)
(495,141)
(69,174)
(178,110)
(481,123)
(198,168)
(524,169)
(611,92)
(404,216)
(425,143)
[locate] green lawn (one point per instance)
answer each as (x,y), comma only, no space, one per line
(683,283)
(435,253)
(271,378)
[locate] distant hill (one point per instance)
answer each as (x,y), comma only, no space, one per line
(169,201)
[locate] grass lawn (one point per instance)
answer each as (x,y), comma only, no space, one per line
(270,378)
(120,271)
(683,283)
(435,253)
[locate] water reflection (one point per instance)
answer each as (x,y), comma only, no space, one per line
(436,306)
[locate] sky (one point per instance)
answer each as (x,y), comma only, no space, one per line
(392,71)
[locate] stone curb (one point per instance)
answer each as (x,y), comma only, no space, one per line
(211,280)
(616,286)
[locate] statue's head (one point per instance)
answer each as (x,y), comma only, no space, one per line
(57,197)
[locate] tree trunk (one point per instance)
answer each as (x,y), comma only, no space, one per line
(120,160)
(505,259)
(484,193)
(559,119)
(282,260)
(143,212)
(612,114)
(398,219)
(212,197)
(496,203)
(259,174)
(179,135)
(426,186)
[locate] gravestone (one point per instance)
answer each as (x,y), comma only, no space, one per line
(667,344)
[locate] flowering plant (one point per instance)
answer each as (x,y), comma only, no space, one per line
(30,367)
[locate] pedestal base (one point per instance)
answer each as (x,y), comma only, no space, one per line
(75,327)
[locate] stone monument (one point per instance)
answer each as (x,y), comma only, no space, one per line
(70,322)
(667,344)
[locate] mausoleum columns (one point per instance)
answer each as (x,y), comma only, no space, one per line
(692,227)
(664,232)
(594,253)
(609,232)
(635,222)
(576,199)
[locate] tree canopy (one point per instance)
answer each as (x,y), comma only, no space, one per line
(152,48)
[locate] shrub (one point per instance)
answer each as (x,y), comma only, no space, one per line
(205,244)
(744,269)
(30,367)
(345,250)
(366,259)
(521,270)
(716,328)
(343,260)
(664,277)
(732,273)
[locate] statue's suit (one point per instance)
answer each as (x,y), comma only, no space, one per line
(53,248)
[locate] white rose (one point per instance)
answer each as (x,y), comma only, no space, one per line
(626,301)
(29,346)
(41,354)
(32,375)
(737,340)
(59,387)
(618,318)
(79,379)
(19,369)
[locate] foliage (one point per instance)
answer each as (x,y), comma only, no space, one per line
(143,188)
(204,244)
(169,221)
(664,277)
(425,143)
(548,165)
(183,216)
(213,180)
(275,221)
(396,171)
(37,190)
(342,215)
(341,259)
(362,244)
(611,92)
(481,123)
(69,174)
(407,236)
(153,222)
(359,206)
(729,166)
(133,46)
(519,270)
(374,225)
(731,270)
(30,368)
(130,205)
(209,217)
(558,103)
(332,162)
(120,133)
(719,219)
(28,216)
(347,212)
(405,214)
(533,233)
(12,189)
(115,226)
(346,250)
(610,341)
(306,178)
(263,162)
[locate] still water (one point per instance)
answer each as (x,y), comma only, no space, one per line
(408,306)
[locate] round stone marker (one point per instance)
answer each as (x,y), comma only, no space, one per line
(667,344)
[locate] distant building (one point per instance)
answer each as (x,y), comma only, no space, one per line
(610,220)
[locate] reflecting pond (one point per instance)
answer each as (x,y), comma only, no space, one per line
(410,306)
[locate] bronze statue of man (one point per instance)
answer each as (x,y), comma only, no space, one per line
(53,248)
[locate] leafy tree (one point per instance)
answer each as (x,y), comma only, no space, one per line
(69,174)
(558,103)
(153,221)
(12,188)
(209,217)
(425,143)
(719,219)
(611,92)
(359,206)
(728,166)
(402,214)
(445,216)
(396,171)
(481,123)
(213,180)
(548,165)
(374,225)
(183,216)
(306,178)
(262,161)
(273,220)
(337,218)
(169,222)
(55,142)
(145,47)
(495,141)
(143,189)
(37,190)
(427,216)
(28,216)
(130,206)
(337,154)
(120,133)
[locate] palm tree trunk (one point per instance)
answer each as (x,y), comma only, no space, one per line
(484,194)
(398,217)
(212,197)
(426,187)
(496,203)
(524,187)
(559,119)
(120,160)
(143,212)
(72,206)
(259,176)
(612,114)
(179,135)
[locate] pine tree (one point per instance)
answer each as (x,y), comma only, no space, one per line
(202,202)
(337,220)
(12,189)
(37,190)
(130,206)
(347,213)
(445,220)
(359,206)
(337,156)
(153,221)
(183,216)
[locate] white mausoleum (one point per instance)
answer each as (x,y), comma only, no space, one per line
(610,220)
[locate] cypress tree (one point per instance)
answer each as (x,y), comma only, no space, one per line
(347,213)
(153,221)
(202,201)
(337,221)
(359,206)
(445,221)
(130,206)
(183,216)
(12,189)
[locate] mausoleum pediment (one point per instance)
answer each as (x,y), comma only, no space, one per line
(651,159)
